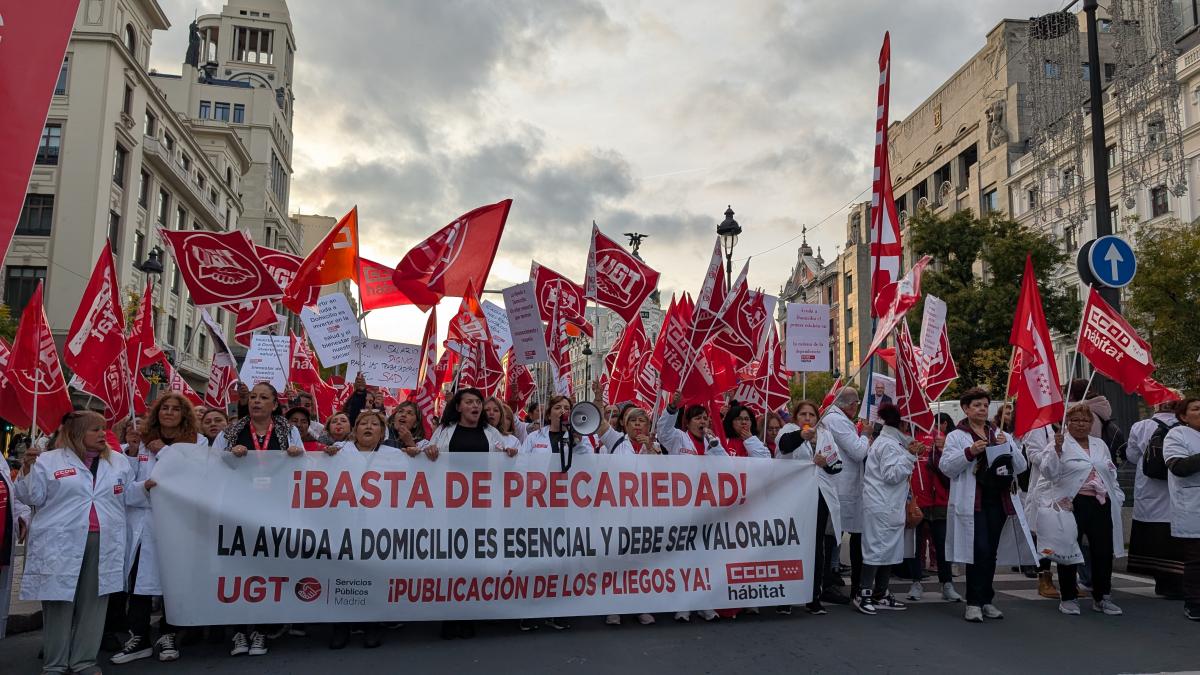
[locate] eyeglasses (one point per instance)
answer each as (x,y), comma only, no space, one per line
(742,418)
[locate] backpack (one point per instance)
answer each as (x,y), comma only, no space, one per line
(999,475)
(1153,463)
(1115,439)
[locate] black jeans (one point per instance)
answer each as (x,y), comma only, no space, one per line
(1191,572)
(140,606)
(819,548)
(856,563)
(1094,521)
(937,533)
(989,523)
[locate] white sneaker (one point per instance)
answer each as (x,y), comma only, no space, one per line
(949,594)
(240,645)
(974,614)
(752,610)
(612,620)
(1069,607)
(258,644)
(646,619)
(683,617)
(136,647)
(915,592)
(708,615)
(1107,606)
(991,611)
(166,648)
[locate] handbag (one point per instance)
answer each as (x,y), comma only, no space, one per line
(913,515)
(1057,535)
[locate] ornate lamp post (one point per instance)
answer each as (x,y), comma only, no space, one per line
(728,231)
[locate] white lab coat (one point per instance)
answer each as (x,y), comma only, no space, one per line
(886,476)
(852,450)
(827,482)
(1062,476)
(17,513)
(1035,442)
(538,443)
(675,441)
(1183,442)
(139,526)
(60,487)
(1016,544)
(1152,498)
(443,434)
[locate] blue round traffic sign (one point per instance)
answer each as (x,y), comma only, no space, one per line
(1111,261)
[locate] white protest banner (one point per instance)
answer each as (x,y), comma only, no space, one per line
(332,328)
(385,364)
(267,360)
(525,324)
(497,321)
(381,536)
(933,320)
(807,332)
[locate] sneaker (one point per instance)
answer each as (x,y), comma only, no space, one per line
(834,597)
(708,615)
(612,620)
(527,625)
(815,608)
(991,611)
(1107,606)
(258,644)
(557,623)
(683,617)
(915,592)
(136,647)
(166,648)
(784,609)
(974,614)
(949,594)
(752,610)
(1084,588)
(1192,613)
(1069,607)
(863,603)
(240,645)
(646,619)
(889,601)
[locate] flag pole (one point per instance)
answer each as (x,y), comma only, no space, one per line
(1075,361)
(36,394)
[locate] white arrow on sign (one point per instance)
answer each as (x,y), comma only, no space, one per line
(1114,258)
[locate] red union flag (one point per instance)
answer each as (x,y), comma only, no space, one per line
(97,335)
(711,300)
(220,267)
(34,375)
(252,315)
(33,38)
(333,259)
(903,296)
(1112,346)
(632,352)
(768,389)
(518,383)
(1034,376)
(559,349)
(556,291)
(468,325)
(376,290)
(1155,393)
(142,347)
(453,257)
(283,268)
(303,364)
(428,381)
(673,350)
(616,279)
(886,249)
(910,398)
(940,370)
(220,378)
(483,369)
(176,383)
(742,322)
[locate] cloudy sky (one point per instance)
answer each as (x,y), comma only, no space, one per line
(646,116)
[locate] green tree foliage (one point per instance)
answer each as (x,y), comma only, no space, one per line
(1164,300)
(8,323)
(815,384)
(977,268)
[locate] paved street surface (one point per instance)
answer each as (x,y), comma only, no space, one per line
(930,637)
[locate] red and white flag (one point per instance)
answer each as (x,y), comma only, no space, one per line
(632,351)
(175,382)
(376,290)
(939,369)
(554,290)
(482,369)
(1155,393)
(142,345)
(35,378)
(221,379)
(455,256)
(283,267)
(673,349)
(219,268)
(428,381)
(302,368)
(97,336)
(767,390)
(333,259)
(252,315)
(903,295)
(711,302)
(617,279)
(910,397)
(518,383)
(558,347)
(1112,346)
(33,38)
(469,325)
(744,323)
(1034,376)
(886,250)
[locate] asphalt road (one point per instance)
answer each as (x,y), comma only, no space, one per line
(931,637)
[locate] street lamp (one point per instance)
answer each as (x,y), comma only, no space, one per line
(728,231)
(587,366)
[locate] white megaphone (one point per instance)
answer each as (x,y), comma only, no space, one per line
(585,418)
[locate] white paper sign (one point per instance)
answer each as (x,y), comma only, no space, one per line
(994,451)
(384,364)
(497,321)
(267,360)
(525,324)
(332,328)
(807,338)
(933,320)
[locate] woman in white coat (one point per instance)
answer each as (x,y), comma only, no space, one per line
(14,520)
(1079,476)
(886,475)
(802,440)
(987,523)
(75,553)
(463,428)
(1181,450)
(851,449)
(551,435)
(500,416)
(687,432)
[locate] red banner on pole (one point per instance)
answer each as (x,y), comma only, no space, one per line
(617,279)
(220,267)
